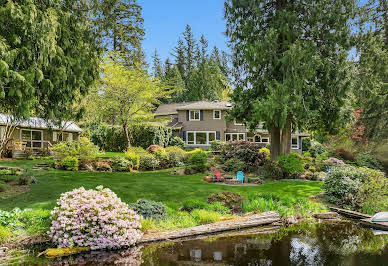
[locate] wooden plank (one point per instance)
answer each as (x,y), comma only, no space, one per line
(245,222)
(352,214)
(376,225)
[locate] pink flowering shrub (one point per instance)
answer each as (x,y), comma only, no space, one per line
(93,218)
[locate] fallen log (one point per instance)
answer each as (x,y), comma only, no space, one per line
(61,252)
(376,225)
(245,222)
(351,214)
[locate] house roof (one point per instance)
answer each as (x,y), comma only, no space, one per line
(169,109)
(202,105)
(36,122)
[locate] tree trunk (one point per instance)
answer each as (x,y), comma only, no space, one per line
(286,136)
(275,142)
(126,134)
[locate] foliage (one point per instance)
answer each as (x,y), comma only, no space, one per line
(373,195)
(230,200)
(25,180)
(148,162)
(216,145)
(198,160)
(143,135)
(5,234)
(176,156)
(82,149)
(93,218)
(161,154)
(121,164)
(133,158)
(153,148)
(69,163)
(291,164)
(149,209)
(233,165)
(273,169)
(343,184)
(306,144)
(49,54)
(192,204)
(245,151)
(344,154)
(178,142)
(137,150)
(365,159)
(266,151)
(316,148)
(102,166)
(334,161)
(205,216)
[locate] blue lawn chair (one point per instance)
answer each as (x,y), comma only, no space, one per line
(240,176)
(328,169)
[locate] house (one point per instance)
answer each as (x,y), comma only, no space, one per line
(36,133)
(199,123)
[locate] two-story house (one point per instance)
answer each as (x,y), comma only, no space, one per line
(199,123)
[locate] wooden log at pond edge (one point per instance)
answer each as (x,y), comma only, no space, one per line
(351,214)
(245,222)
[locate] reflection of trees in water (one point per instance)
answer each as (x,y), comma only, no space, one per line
(305,251)
(130,256)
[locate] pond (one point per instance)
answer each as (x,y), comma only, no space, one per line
(335,243)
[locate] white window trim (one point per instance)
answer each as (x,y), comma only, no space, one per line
(195,137)
(2,132)
(32,141)
(267,138)
(214,114)
(296,146)
(238,124)
(231,136)
(55,136)
(194,119)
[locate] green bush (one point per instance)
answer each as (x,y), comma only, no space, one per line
(198,160)
(148,162)
(176,156)
(316,148)
(133,158)
(121,164)
(192,204)
(373,195)
(178,142)
(343,184)
(150,209)
(291,164)
(143,135)
(216,145)
(365,159)
(24,180)
(272,169)
(5,234)
(82,149)
(35,221)
(161,154)
(137,150)
(231,200)
(70,163)
(233,165)
(306,144)
(219,207)
(205,216)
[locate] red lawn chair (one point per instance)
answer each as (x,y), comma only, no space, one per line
(217,177)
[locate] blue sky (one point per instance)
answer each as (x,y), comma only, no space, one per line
(165,20)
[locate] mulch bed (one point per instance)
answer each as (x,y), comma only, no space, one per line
(14,190)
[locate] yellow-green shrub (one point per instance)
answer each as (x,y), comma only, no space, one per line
(133,158)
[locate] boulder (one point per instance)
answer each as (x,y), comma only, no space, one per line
(291,220)
(3,251)
(326,215)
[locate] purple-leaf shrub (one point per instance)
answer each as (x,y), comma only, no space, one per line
(93,218)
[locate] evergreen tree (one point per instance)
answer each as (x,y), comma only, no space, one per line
(157,66)
(291,69)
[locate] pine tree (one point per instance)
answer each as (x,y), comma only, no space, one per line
(291,69)
(157,66)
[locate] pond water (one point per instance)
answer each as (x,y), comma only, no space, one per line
(343,243)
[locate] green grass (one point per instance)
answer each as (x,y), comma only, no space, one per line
(111,154)
(157,185)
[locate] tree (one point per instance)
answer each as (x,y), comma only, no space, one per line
(120,24)
(157,66)
(127,96)
(291,69)
(49,56)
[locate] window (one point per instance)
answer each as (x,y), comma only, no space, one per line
(294,143)
(217,114)
(234,136)
(257,139)
(32,138)
(194,115)
(200,137)
(238,123)
(2,132)
(264,140)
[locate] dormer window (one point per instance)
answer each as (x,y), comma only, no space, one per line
(194,115)
(217,114)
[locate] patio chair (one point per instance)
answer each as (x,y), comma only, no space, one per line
(240,176)
(217,176)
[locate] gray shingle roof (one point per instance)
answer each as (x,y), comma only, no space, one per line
(36,122)
(172,108)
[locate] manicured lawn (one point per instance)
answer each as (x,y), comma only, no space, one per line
(157,185)
(112,154)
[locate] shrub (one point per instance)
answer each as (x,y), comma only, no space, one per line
(216,145)
(148,162)
(365,159)
(176,156)
(198,160)
(82,149)
(162,155)
(316,148)
(218,207)
(205,216)
(319,176)
(144,135)
(191,204)
(70,163)
(233,165)
(373,195)
(322,157)
(178,142)
(35,221)
(231,200)
(93,218)
(153,148)
(149,209)
(24,180)
(247,152)
(273,169)
(306,144)
(291,164)
(133,158)
(3,187)
(344,154)
(5,234)
(343,183)
(334,161)
(121,164)
(267,152)
(137,150)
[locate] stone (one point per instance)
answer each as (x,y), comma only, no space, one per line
(291,220)
(326,215)
(3,251)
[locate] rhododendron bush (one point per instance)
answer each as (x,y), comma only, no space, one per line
(93,218)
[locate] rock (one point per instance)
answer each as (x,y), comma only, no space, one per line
(326,215)
(3,251)
(291,220)
(177,172)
